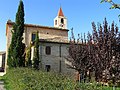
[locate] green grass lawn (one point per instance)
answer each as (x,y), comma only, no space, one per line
(28,79)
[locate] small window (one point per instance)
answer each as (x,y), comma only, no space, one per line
(33,36)
(55,22)
(62,21)
(48,50)
(47,67)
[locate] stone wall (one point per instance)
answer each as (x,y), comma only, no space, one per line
(44,33)
(57,58)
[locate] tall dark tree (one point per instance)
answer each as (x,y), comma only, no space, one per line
(106,57)
(11,59)
(36,52)
(16,50)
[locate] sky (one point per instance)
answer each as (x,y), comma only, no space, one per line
(80,14)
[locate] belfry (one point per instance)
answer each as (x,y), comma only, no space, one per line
(60,21)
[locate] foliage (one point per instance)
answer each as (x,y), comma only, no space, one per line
(11,50)
(106,52)
(99,54)
(29,79)
(79,56)
(20,47)
(36,53)
(28,56)
(16,50)
(114,5)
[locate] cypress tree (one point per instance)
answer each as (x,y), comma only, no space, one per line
(28,57)
(16,50)
(20,47)
(36,53)
(11,61)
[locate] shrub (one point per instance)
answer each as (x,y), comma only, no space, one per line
(30,79)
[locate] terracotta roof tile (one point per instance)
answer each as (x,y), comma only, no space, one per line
(60,13)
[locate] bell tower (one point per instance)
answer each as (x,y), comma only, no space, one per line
(60,21)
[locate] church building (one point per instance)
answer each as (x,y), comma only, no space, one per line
(54,44)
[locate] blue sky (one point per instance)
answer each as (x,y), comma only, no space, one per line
(80,14)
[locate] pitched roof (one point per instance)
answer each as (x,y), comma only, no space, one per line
(9,22)
(60,13)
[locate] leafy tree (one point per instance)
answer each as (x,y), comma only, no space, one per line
(114,6)
(16,56)
(100,53)
(79,53)
(36,53)
(106,57)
